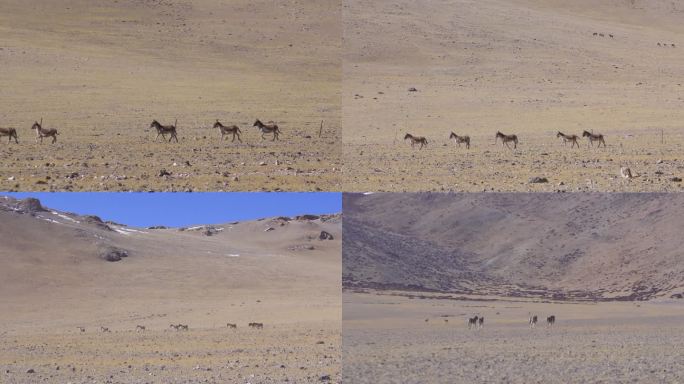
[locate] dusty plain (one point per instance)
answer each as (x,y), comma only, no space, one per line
(525,67)
(391,338)
(101,71)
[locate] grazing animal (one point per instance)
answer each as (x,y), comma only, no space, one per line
(183,327)
(460,139)
(82,329)
(231,325)
(10,133)
(595,33)
(594,137)
(533,321)
(416,140)
(551,320)
(566,138)
(505,139)
(480,322)
(228,130)
(472,322)
(256,325)
(104,329)
(44,132)
(611,36)
(602,35)
(673,45)
(426,320)
(140,328)
(446,320)
(659,44)
(162,130)
(271,127)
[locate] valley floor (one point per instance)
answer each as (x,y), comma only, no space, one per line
(293,353)
(391,339)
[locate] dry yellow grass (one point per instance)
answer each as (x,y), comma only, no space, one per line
(530,68)
(89,68)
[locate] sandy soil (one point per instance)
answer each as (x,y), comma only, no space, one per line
(101,71)
(285,278)
(387,340)
(525,67)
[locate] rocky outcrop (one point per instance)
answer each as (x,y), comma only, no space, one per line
(325,236)
(112,254)
(95,221)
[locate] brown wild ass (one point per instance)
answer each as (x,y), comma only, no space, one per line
(594,137)
(44,132)
(10,133)
(566,138)
(271,127)
(505,139)
(416,140)
(460,139)
(164,129)
(228,130)
(533,321)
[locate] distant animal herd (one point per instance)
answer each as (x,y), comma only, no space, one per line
(601,34)
(477,321)
(177,327)
(269,128)
(507,140)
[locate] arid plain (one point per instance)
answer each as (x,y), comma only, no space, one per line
(101,71)
(388,340)
(418,266)
(56,279)
(524,67)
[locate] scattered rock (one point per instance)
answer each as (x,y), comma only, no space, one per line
(412,89)
(96,221)
(325,236)
(325,378)
(31,371)
(164,172)
(307,217)
(112,253)
(30,205)
(269,229)
(537,180)
(676,179)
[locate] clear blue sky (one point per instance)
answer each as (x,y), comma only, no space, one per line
(183,209)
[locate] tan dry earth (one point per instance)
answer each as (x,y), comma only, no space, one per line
(525,67)
(53,281)
(101,71)
(387,340)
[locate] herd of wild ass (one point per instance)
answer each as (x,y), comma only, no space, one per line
(507,140)
(177,327)
(477,322)
(269,128)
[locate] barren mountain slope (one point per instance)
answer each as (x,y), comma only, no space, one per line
(620,246)
(276,271)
